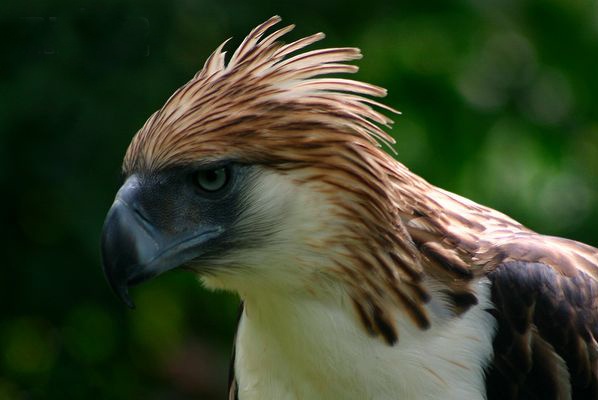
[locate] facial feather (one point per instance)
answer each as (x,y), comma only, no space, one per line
(267,107)
(316,141)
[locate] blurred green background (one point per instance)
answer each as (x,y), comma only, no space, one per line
(499,102)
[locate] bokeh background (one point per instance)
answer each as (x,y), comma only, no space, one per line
(499,102)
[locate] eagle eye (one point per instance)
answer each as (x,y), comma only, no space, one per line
(212,180)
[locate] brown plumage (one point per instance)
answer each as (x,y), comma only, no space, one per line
(263,108)
(395,232)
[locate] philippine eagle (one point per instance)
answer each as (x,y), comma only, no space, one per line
(358,279)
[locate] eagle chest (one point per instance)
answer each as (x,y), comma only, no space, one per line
(288,349)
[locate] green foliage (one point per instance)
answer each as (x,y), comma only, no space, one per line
(498,100)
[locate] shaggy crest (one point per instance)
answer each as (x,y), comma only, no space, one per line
(260,94)
(266,106)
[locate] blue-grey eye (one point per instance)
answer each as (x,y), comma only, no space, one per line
(212,180)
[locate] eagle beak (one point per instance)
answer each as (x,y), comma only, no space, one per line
(134,250)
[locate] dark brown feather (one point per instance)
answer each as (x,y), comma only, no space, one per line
(545,346)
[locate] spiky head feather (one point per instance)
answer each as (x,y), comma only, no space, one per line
(265,106)
(262,102)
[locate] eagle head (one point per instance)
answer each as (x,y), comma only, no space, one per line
(261,173)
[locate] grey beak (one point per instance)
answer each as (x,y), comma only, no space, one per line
(126,247)
(134,250)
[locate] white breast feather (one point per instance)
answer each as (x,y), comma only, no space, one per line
(298,344)
(291,348)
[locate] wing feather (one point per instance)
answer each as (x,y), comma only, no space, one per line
(545,346)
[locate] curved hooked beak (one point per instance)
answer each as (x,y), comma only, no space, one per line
(135,250)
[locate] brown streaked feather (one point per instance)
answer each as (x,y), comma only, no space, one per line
(270,107)
(262,107)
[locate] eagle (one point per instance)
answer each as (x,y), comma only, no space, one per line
(266,175)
